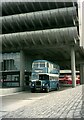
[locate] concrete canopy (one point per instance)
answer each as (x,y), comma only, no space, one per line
(54,18)
(10,8)
(40,38)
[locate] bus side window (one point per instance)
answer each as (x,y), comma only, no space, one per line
(47,64)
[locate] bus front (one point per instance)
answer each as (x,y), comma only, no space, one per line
(42,84)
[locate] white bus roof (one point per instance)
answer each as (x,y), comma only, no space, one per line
(54,75)
(67,71)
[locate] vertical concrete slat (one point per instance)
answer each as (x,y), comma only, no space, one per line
(22,68)
(28,63)
(73,67)
(81,74)
(81,70)
(28,67)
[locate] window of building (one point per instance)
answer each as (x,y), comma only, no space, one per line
(10,61)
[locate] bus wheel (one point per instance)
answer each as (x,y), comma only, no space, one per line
(32,90)
(57,87)
(47,89)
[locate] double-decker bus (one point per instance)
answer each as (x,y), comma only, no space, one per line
(46,82)
(43,66)
(65,77)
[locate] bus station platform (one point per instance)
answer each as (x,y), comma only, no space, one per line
(56,104)
(8,91)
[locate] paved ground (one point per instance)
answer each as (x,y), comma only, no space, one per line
(62,104)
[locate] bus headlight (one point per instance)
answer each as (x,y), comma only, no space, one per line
(43,84)
(32,84)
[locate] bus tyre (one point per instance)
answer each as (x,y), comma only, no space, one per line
(32,90)
(47,89)
(57,87)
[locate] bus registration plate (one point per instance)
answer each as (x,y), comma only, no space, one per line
(37,88)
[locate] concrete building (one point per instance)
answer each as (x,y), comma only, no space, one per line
(42,30)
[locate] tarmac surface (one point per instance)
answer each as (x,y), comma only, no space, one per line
(67,103)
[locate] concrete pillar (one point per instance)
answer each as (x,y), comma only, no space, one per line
(22,68)
(81,74)
(28,66)
(28,63)
(81,21)
(73,67)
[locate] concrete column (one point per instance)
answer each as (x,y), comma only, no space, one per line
(81,74)
(28,63)
(73,67)
(28,66)
(81,21)
(22,68)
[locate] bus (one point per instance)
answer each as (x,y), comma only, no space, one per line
(65,77)
(46,82)
(43,66)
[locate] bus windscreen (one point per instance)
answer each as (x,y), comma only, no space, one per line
(43,77)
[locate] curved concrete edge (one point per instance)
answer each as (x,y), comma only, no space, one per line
(8,91)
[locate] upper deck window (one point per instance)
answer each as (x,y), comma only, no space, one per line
(42,64)
(35,65)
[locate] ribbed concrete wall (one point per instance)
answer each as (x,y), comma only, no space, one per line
(46,24)
(54,18)
(44,37)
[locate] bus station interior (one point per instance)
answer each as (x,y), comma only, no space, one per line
(40,30)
